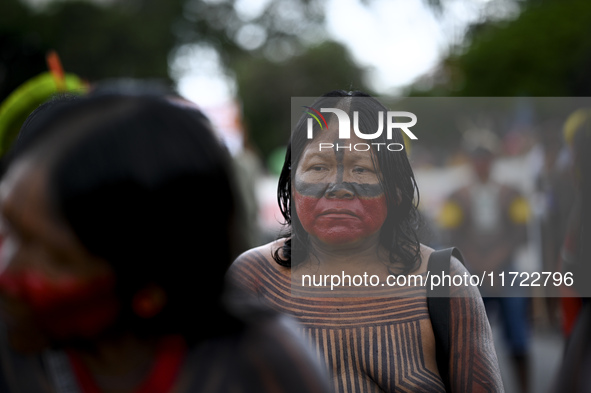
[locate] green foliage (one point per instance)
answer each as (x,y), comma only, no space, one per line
(22,52)
(135,39)
(99,42)
(545,51)
(93,41)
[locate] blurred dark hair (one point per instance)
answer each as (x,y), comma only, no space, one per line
(146,185)
(399,232)
(32,128)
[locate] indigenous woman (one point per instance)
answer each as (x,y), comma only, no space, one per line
(349,199)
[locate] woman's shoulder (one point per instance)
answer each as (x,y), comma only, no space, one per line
(261,255)
(256,267)
(456,266)
(426,252)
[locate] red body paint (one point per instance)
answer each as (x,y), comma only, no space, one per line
(340,221)
(170,356)
(67,307)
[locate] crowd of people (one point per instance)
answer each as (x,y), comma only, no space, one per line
(125,266)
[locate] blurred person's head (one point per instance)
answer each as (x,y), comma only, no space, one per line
(577,134)
(107,220)
(551,140)
(481,159)
(381,180)
(579,140)
(481,146)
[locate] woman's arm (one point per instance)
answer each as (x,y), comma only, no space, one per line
(473,360)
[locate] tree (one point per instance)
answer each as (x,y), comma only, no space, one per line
(135,39)
(22,52)
(544,51)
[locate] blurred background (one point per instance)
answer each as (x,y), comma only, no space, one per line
(241,61)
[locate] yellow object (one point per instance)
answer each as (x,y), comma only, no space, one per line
(450,216)
(28,96)
(407,144)
(573,123)
(519,210)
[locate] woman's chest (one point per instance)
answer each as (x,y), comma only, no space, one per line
(372,344)
(389,357)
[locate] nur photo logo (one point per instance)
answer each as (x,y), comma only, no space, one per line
(392,120)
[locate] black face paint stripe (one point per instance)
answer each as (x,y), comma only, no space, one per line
(340,156)
(339,185)
(317,190)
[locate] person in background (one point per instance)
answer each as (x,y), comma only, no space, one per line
(576,137)
(487,221)
(555,197)
(574,374)
(117,219)
(352,211)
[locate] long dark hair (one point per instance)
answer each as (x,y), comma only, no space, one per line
(399,232)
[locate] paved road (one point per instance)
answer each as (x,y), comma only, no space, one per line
(546,355)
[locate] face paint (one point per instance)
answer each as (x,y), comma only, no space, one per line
(340,221)
(338,211)
(51,287)
(68,307)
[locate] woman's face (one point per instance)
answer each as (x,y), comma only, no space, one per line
(51,288)
(338,197)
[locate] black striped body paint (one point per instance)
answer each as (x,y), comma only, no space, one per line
(377,344)
(368,344)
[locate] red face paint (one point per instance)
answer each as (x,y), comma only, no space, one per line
(68,307)
(337,195)
(340,221)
